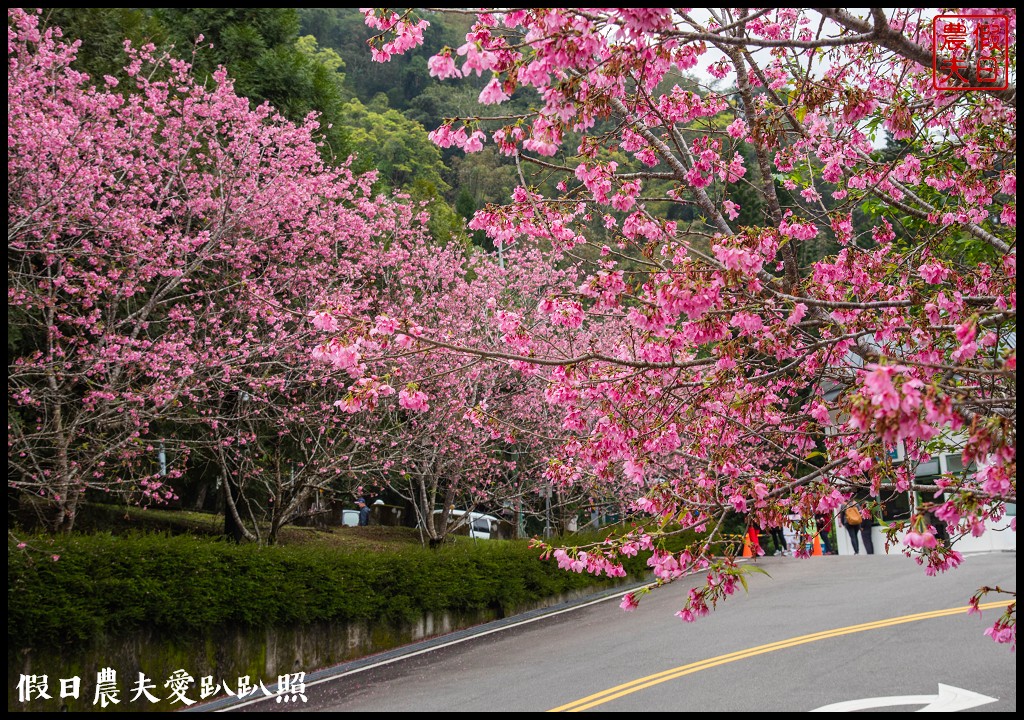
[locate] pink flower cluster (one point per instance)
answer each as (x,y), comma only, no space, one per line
(413,400)
(406,35)
(738,258)
(1002,631)
(442,66)
(445,137)
(593,562)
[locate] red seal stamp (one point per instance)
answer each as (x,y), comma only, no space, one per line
(970,52)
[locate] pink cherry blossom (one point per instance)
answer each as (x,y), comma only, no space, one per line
(442,66)
(629,602)
(493,94)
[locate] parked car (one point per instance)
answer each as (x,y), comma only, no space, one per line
(480,526)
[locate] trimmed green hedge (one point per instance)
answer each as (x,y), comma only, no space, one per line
(184,584)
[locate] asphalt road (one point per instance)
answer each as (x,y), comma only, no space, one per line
(865,631)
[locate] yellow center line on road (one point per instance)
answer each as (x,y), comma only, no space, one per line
(678,672)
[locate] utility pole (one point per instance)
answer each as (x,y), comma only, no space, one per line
(546,492)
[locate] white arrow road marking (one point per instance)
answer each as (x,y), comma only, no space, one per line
(949,699)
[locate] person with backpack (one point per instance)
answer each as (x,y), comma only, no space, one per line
(852,521)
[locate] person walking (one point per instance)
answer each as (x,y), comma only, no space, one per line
(824,521)
(852,521)
(809,532)
(778,539)
(791,535)
(364,511)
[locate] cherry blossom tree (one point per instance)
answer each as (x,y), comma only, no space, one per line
(87,374)
(702,162)
(165,248)
(437,428)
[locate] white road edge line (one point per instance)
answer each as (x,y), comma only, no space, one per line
(612,596)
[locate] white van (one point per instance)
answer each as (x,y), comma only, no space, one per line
(481,526)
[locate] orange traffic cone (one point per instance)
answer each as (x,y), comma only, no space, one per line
(746,547)
(817,545)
